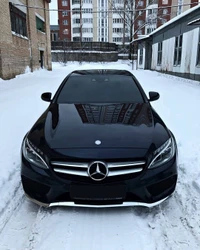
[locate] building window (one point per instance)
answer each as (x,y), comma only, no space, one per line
(140,3)
(65,31)
(140,22)
(159,59)
(163,21)
(117,39)
(150,2)
(178,50)
(40,25)
(65,22)
(87,39)
(117,20)
(198,52)
(141,56)
(76,30)
(117,30)
(76,39)
(76,21)
(87,20)
(164,2)
(65,13)
(65,3)
(18,21)
(165,11)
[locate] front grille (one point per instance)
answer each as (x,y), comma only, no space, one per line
(114,168)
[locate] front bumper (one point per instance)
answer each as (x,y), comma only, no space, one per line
(148,189)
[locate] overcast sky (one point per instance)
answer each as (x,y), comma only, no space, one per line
(53,14)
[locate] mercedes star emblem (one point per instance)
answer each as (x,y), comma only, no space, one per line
(97,170)
(97,142)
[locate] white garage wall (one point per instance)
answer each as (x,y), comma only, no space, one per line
(189,54)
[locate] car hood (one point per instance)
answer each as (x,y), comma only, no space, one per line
(116,126)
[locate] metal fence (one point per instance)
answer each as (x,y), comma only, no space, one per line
(87,46)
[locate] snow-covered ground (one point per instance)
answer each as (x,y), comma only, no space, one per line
(175,224)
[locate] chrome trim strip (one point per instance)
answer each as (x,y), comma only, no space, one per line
(73,172)
(70,164)
(124,171)
(72,204)
(125,164)
(124,204)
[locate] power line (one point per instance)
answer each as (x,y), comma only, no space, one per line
(107,11)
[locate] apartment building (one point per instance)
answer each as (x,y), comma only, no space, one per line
(151,14)
(93,20)
(116,21)
(64,19)
(24,36)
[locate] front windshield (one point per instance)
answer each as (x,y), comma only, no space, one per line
(94,88)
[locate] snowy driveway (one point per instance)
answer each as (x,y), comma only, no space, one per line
(175,224)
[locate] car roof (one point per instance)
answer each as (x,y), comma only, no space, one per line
(102,72)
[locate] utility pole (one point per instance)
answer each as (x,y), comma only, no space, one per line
(81,21)
(124,22)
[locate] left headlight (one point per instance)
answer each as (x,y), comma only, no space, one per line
(33,154)
(163,154)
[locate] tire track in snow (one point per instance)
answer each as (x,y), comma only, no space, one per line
(14,222)
(52,223)
(86,228)
(11,197)
(177,219)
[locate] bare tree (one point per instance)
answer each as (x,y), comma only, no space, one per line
(125,11)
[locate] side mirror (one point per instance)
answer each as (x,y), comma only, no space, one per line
(46,97)
(153,96)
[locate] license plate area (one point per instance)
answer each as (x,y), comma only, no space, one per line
(98,192)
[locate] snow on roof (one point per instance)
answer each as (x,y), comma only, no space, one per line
(195,22)
(140,38)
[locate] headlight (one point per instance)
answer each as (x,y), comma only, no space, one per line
(33,154)
(163,154)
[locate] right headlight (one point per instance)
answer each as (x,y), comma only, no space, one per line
(163,154)
(33,154)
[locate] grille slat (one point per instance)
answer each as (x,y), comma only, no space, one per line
(125,171)
(72,172)
(70,164)
(114,168)
(125,164)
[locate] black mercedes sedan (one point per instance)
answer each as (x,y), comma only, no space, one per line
(99,144)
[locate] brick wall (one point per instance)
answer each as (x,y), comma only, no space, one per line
(16,53)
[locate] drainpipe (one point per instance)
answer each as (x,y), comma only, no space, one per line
(29,35)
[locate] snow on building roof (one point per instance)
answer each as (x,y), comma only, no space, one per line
(195,22)
(142,37)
